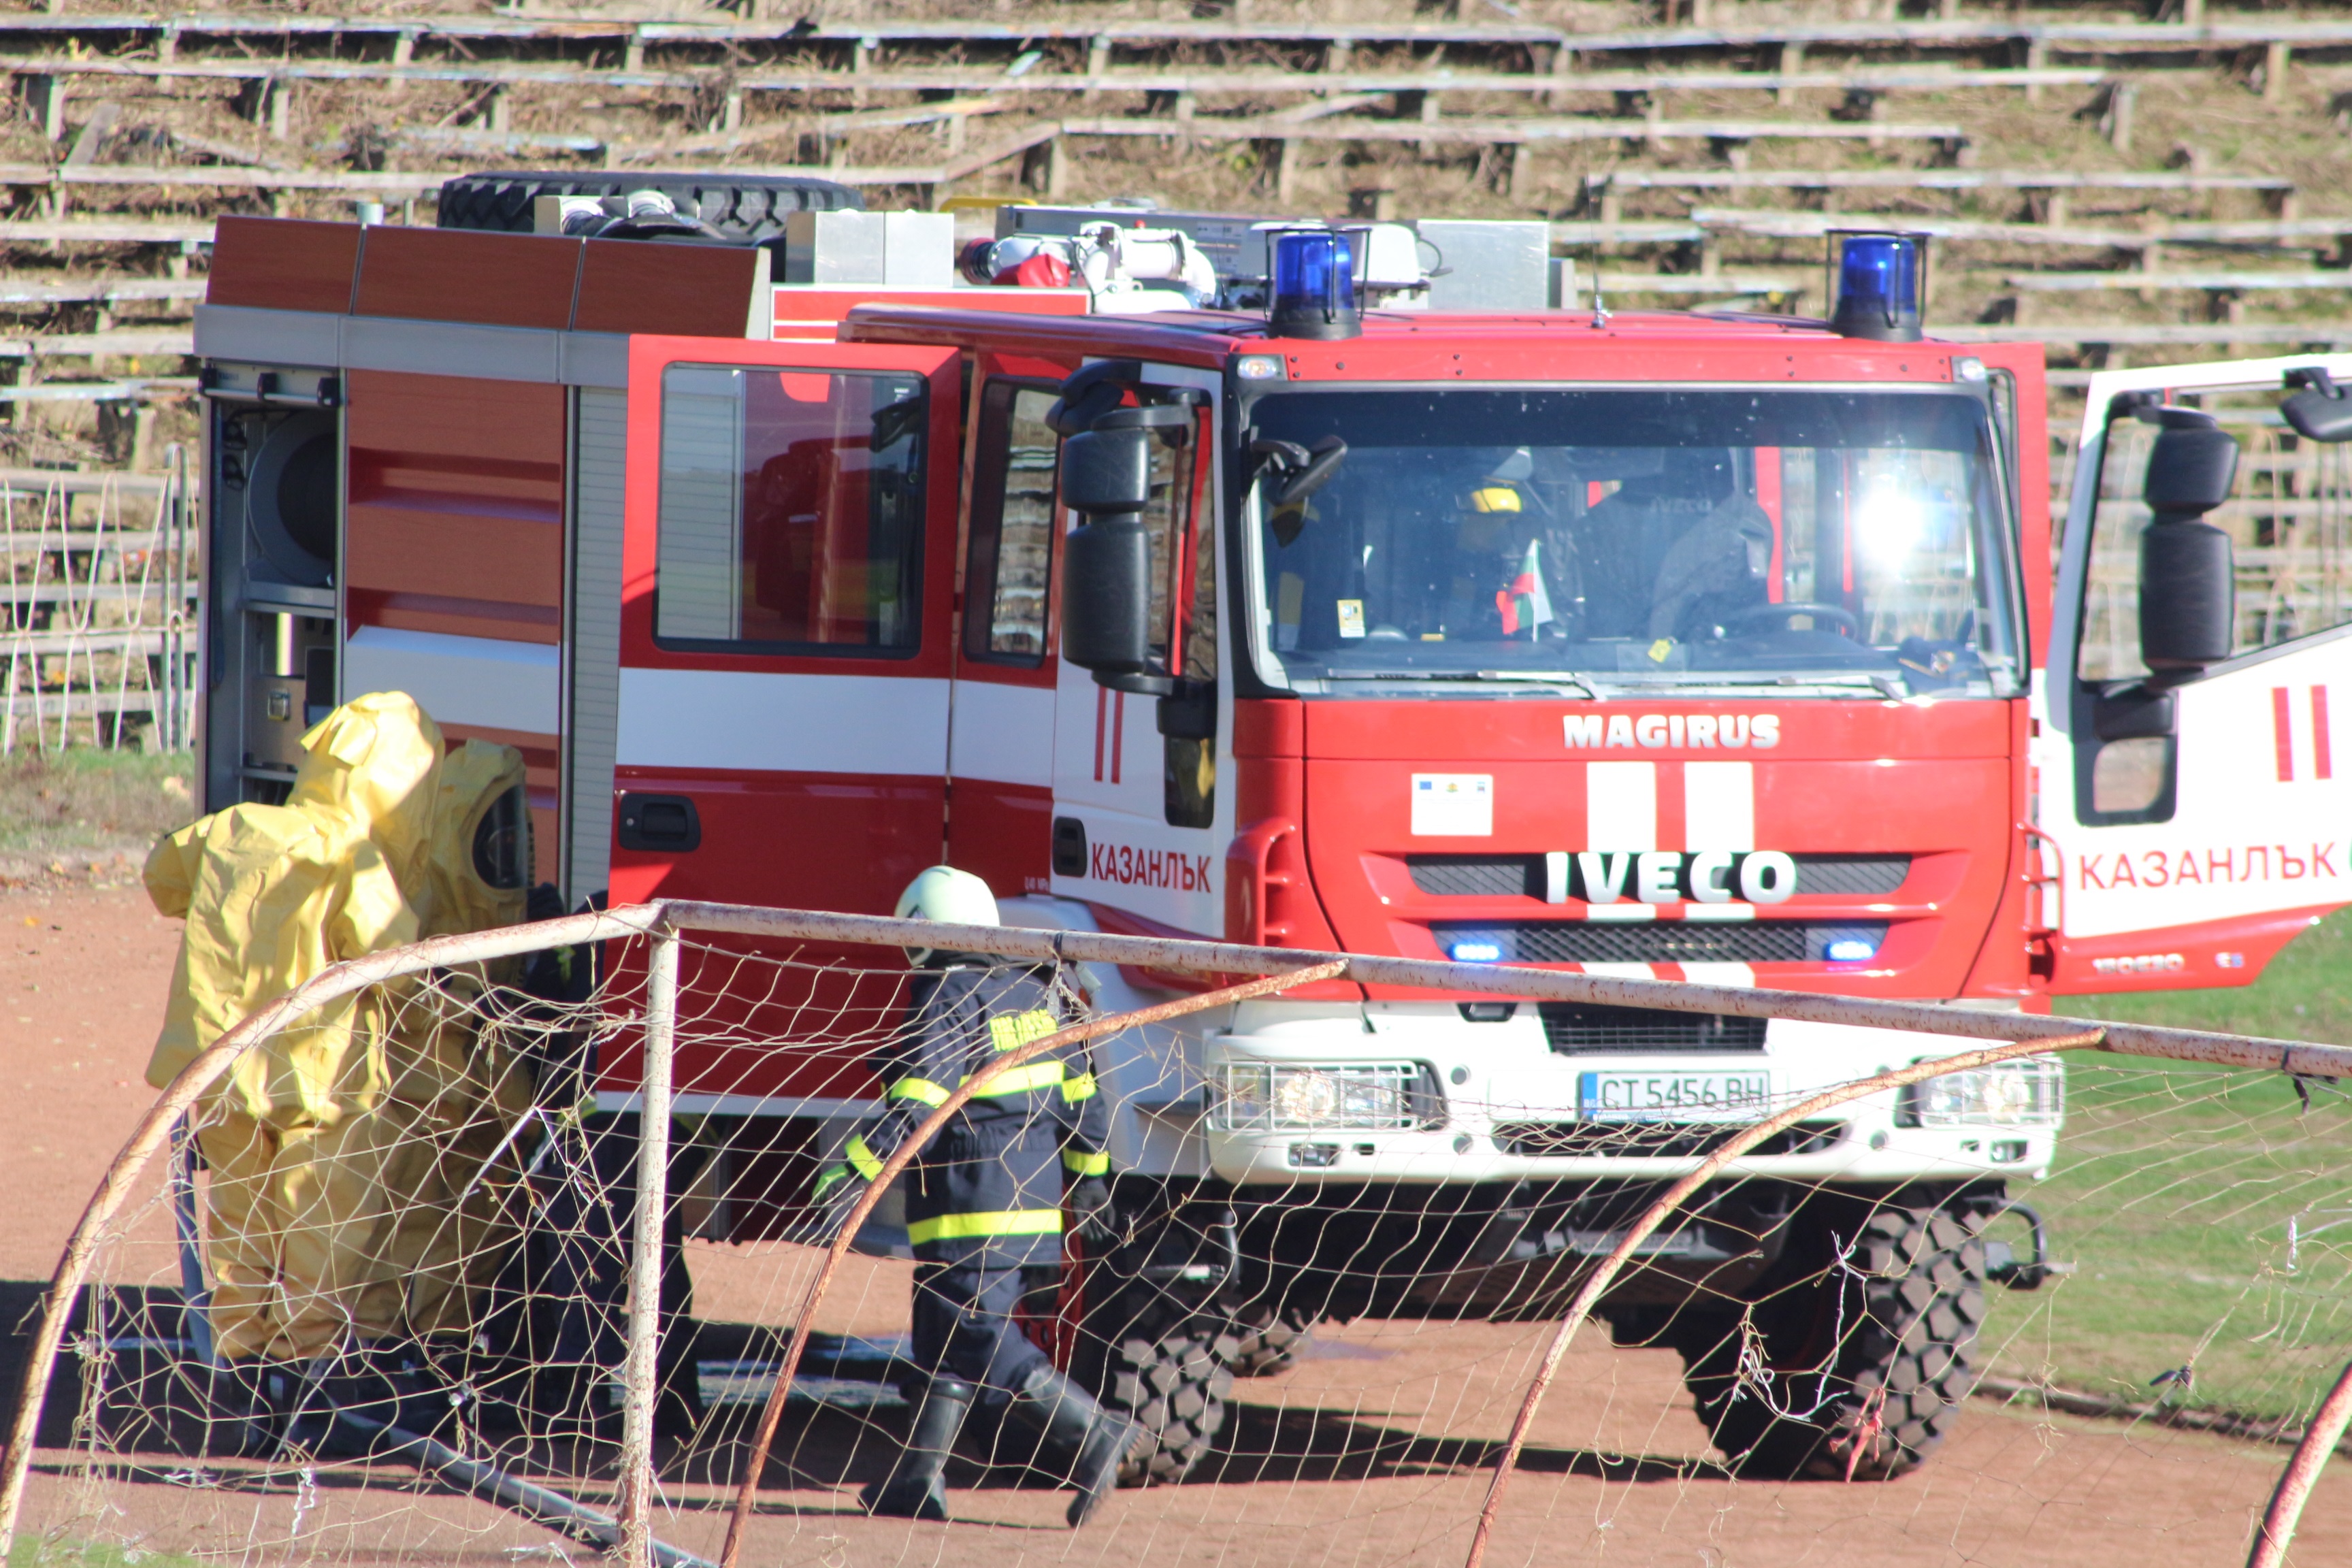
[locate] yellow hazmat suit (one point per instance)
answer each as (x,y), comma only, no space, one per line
(321,1141)
(457,1088)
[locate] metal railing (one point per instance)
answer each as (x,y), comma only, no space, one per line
(97,609)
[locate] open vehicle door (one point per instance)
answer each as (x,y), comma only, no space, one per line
(2192,816)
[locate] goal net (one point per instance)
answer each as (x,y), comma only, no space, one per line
(1730,1319)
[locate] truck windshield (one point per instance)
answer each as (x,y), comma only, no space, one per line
(1632,537)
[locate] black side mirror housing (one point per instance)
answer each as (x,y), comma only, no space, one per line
(2187,596)
(2191,467)
(1106,596)
(2187,573)
(1107,471)
(1107,563)
(2321,411)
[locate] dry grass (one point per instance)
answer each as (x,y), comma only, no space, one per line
(83,801)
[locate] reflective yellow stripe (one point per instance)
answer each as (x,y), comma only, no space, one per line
(920,1088)
(981,1226)
(862,1158)
(1021,1080)
(1016,1030)
(1079,1087)
(1086,1164)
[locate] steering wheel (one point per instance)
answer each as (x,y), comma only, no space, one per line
(1848,625)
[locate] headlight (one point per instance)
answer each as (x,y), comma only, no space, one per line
(2013,1094)
(1264,1096)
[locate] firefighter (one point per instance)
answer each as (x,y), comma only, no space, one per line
(1499,539)
(984,1201)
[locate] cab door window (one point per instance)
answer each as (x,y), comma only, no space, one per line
(1183,529)
(1011,552)
(791,512)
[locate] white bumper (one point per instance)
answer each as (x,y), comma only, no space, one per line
(1505,1090)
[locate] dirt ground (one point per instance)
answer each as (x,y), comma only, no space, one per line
(1376,1450)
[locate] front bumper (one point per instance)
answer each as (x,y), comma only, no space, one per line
(1506,1106)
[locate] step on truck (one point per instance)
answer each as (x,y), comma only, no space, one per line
(1335,588)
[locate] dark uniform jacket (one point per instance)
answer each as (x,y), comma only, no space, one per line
(988,1189)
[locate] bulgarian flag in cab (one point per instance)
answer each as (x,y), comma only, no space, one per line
(1525,604)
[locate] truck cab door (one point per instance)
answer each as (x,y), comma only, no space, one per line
(787,557)
(1142,810)
(2185,835)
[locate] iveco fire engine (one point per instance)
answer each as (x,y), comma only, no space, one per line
(1322,587)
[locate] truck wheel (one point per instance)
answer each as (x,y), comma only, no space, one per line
(1168,1366)
(745,208)
(1868,1360)
(1266,1338)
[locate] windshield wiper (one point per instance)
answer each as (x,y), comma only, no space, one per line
(1537,678)
(1543,678)
(1858,684)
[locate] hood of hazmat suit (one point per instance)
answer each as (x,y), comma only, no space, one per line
(272,895)
(477,876)
(474,876)
(375,762)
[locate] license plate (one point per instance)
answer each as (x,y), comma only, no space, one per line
(1673,1095)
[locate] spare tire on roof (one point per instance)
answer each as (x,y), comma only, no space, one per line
(745,208)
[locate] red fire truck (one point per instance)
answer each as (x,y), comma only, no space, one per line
(1295,585)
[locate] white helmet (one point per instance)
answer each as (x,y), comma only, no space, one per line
(951,897)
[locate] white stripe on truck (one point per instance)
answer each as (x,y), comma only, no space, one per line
(480,681)
(756,721)
(1621,805)
(1719,806)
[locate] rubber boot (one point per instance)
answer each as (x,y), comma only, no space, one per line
(243,1421)
(913,1489)
(1068,1415)
(385,1386)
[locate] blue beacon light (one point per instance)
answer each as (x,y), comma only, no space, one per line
(1851,949)
(1880,280)
(1313,286)
(1477,953)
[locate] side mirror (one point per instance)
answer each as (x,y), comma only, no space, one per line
(1107,471)
(1107,597)
(2187,574)
(1107,564)
(2321,412)
(2191,467)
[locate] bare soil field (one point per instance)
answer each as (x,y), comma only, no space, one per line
(1376,1449)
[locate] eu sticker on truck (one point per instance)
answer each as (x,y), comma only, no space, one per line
(1673,1095)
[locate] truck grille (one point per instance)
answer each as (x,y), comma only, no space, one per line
(1522,877)
(1658,941)
(1850,876)
(1477,876)
(1578,1028)
(1654,1139)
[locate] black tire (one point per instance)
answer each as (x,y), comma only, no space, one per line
(1870,1359)
(1266,1338)
(742,207)
(1165,1365)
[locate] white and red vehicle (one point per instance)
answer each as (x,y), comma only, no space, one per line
(1691,646)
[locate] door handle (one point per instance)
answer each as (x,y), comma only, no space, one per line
(662,824)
